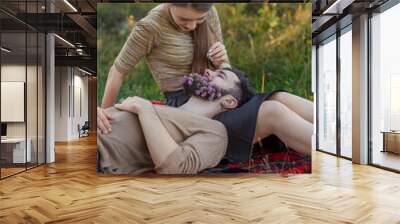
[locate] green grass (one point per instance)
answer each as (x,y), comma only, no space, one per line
(270,40)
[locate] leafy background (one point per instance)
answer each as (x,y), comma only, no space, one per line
(270,42)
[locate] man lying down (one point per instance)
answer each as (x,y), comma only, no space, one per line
(168,140)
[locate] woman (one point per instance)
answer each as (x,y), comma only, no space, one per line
(175,39)
(178,39)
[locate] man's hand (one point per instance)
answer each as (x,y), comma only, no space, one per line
(103,121)
(134,105)
(217,54)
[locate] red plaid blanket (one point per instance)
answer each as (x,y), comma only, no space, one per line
(284,163)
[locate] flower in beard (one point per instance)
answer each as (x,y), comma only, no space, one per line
(199,85)
(188,80)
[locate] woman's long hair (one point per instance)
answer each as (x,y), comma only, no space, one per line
(200,38)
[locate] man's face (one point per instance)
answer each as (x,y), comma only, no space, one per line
(187,18)
(223,79)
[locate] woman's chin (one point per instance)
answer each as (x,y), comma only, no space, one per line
(185,30)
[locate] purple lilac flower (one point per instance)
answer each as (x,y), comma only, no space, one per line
(188,80)
(201,86)
(210,89)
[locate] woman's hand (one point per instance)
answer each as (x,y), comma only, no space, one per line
(103,121)
(134,105)
(217,54)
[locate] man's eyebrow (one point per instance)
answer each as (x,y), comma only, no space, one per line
(224,73)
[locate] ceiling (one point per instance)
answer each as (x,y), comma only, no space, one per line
(72,20)
(330,15)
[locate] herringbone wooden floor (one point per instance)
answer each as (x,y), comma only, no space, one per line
(69,191)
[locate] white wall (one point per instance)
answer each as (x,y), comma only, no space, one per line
(70,83)
(13,73)
(33,127)
(81,82)
(16,73)
(61,103)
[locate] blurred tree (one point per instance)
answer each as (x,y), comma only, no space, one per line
(264,40)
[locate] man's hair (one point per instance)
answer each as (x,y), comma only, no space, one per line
(242,90)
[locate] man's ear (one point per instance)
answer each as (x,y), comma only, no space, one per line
(229,102)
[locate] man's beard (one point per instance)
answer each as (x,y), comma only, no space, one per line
(199,85)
